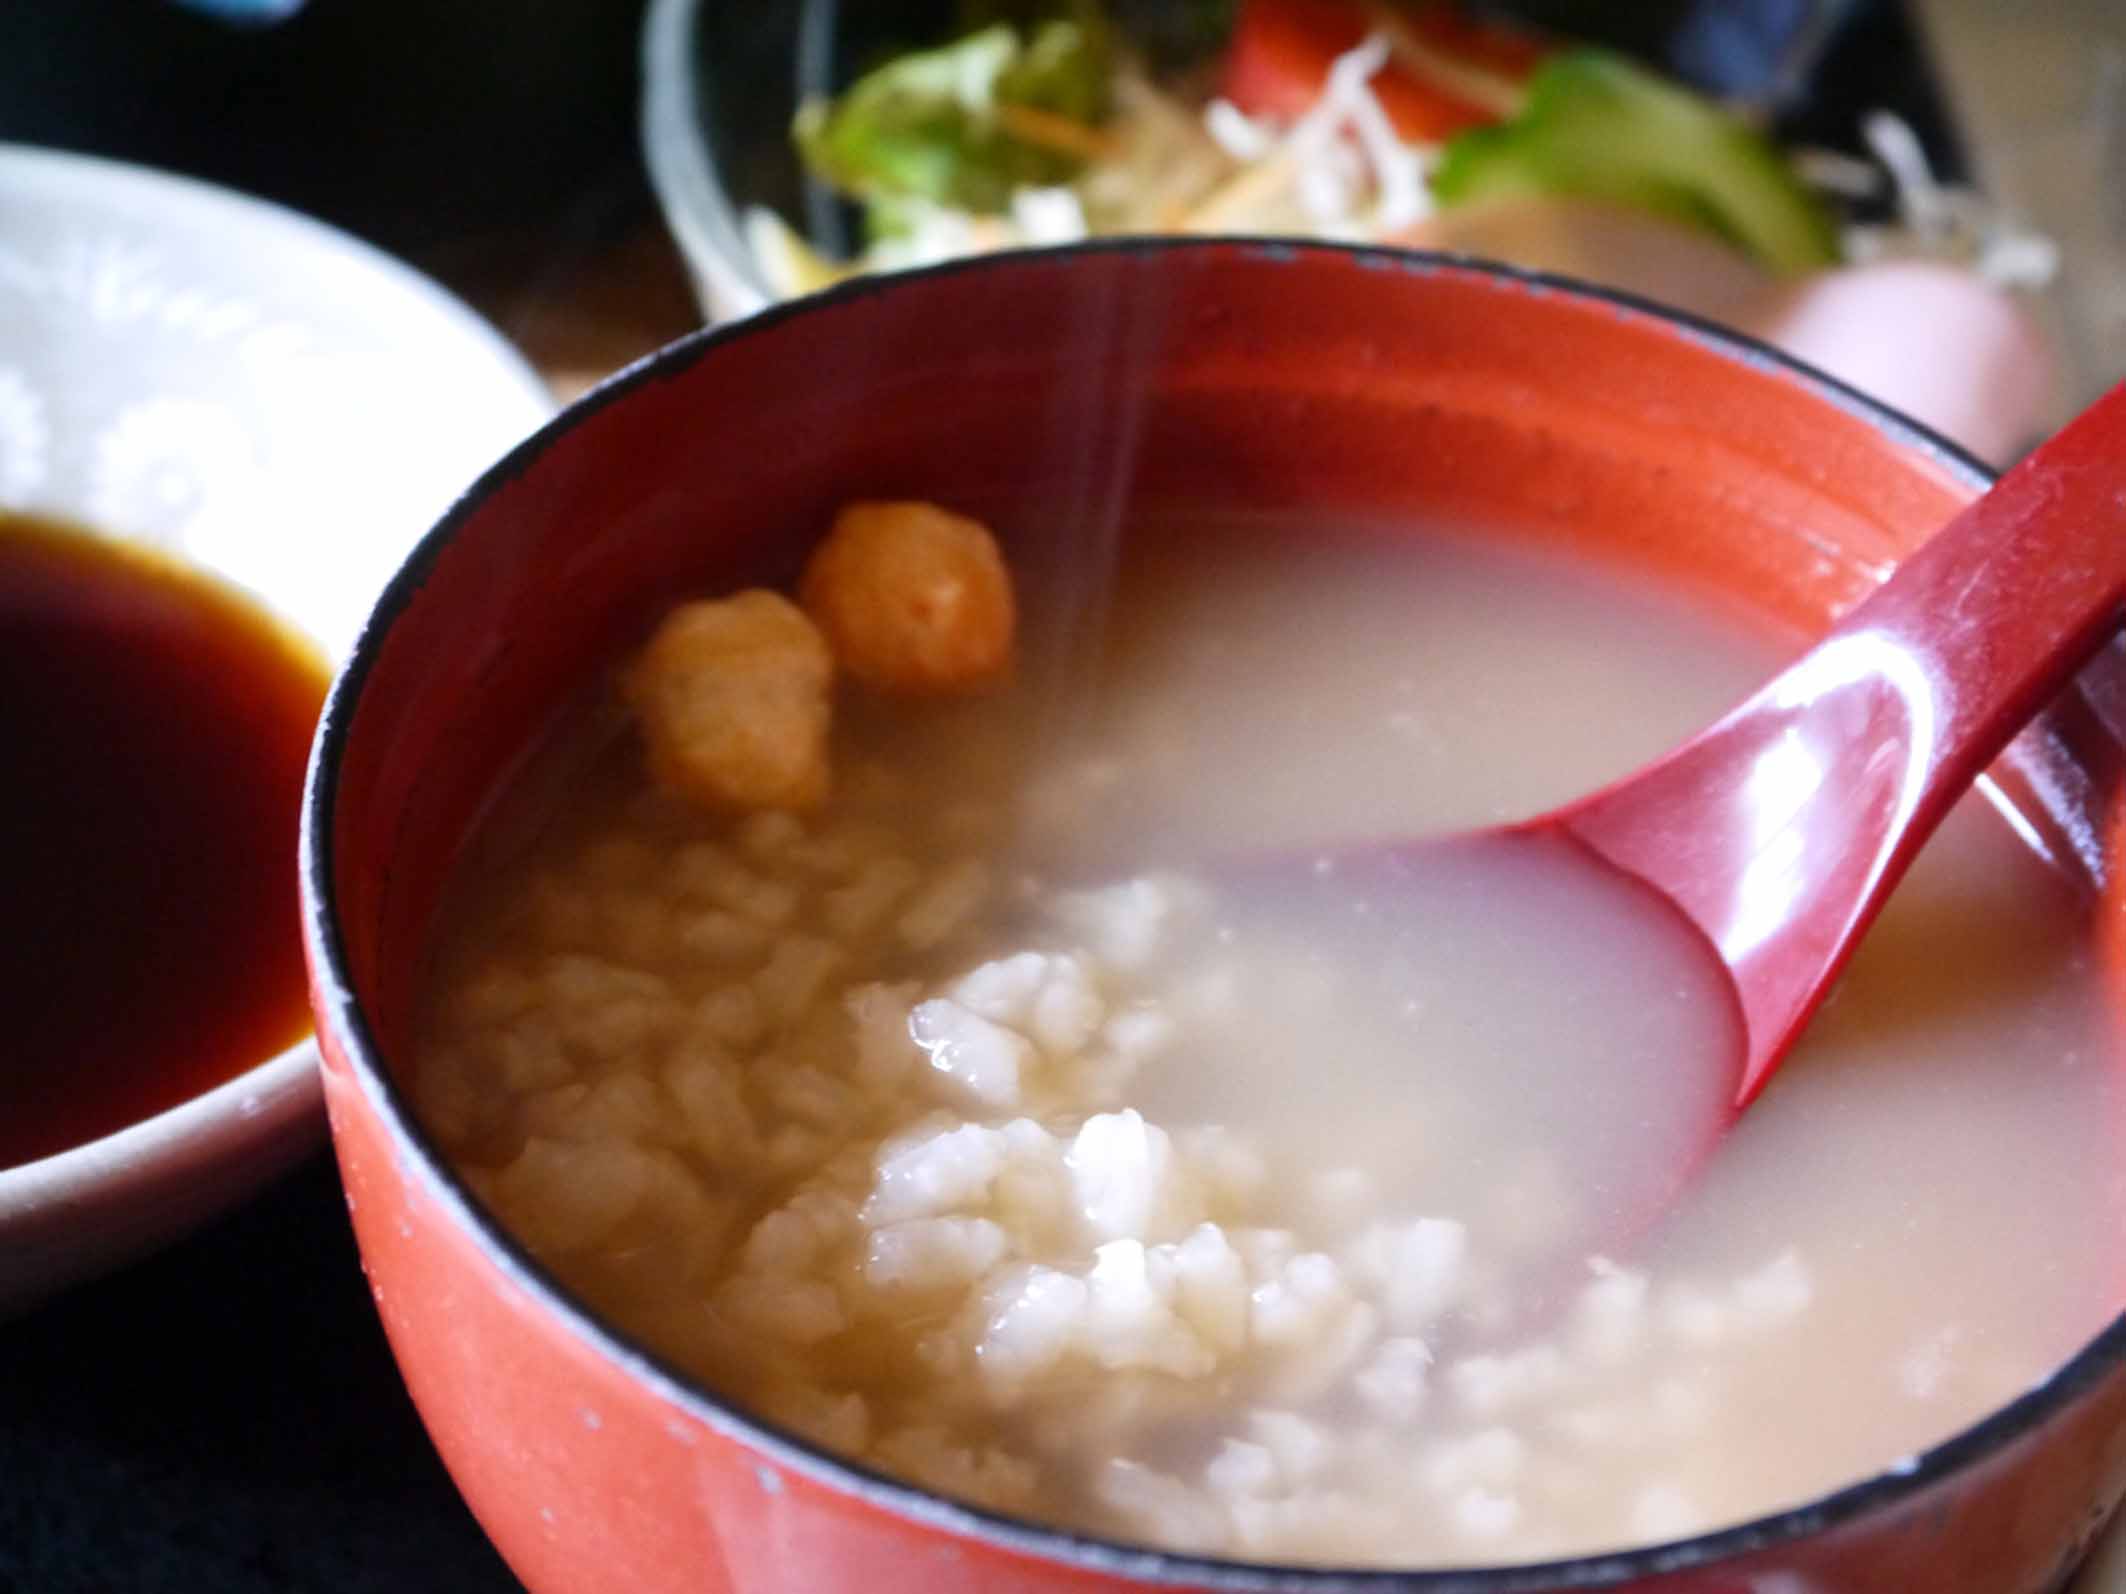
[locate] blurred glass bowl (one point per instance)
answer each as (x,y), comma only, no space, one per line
(721,85)
(689,130)
(274,401)
(1937,310)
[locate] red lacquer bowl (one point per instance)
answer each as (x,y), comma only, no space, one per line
(1094,382)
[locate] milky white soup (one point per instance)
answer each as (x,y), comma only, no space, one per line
(987,1128)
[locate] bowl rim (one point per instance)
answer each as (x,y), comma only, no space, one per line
(1899,1481)
(697,206)
(255,1115)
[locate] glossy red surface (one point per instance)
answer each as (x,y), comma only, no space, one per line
(1098,383)
(1781,830)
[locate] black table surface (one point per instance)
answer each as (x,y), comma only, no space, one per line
(226,1416)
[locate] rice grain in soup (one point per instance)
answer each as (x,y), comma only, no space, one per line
(963,1128)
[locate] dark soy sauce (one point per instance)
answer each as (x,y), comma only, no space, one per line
(154,725)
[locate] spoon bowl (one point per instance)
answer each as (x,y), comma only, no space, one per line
(1549,967)
(1722,889)
(1781,830)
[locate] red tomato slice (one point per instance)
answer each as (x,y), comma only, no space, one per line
(1281,52)
(1504,52)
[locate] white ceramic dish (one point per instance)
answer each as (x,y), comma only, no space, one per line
(278,402)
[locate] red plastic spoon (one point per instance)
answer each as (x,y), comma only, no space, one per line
(1780,830)
(1722,889)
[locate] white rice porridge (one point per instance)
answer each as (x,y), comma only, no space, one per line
(914,1132)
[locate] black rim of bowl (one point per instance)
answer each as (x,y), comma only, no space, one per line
(1898,1482)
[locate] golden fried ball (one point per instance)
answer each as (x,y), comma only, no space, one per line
(733,698)
(914,599)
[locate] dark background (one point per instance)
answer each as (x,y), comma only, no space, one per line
(224,1418)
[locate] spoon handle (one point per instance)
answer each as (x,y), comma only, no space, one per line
(2006,602)
(1781,829)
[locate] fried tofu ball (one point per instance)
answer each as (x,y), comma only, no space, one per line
(733,698)
(915,600)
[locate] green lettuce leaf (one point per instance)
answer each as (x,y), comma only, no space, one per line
(1599,127)
(925,126)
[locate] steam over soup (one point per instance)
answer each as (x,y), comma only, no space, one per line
(963,1124)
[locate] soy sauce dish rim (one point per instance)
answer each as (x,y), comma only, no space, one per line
(1900,1481)
(282,1084)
